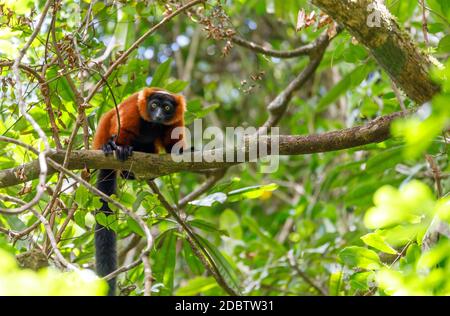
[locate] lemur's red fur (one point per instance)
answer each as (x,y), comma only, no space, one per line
(131,110)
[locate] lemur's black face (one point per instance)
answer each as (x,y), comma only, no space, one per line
(161,107)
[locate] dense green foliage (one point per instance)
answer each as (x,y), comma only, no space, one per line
(346,222)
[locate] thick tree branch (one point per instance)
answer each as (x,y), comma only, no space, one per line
(300,51)
(370,22)
(152,165)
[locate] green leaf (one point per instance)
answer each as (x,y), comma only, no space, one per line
(164,267)
(355,53)
(61,85)
(210,200)
(434,256)
(204,111)
(135,227)
(368,107)
(19,7)
(351,80)
(444,44)
(113,222)
(14,222)
(161,74)
(252,192)
(176,86)
(413,253)
(98,6)
(196,111)
(445,7)
(264,235)
(101,219)
(138,200)
(409,204)
(6,162)
(109,221)
(359,257)
(127,198)
(224,267)
(383,159)
(417,133)
(377,241)
(198,285)
(403,10)
(362,281)
(124,32)
(79,218)
(206,226)
(229,221)
(336,283)
(192,260)
(194,105)
(82,196)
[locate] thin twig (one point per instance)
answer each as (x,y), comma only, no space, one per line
(303,275)
(437,174)
(48,230)
(133,243)
(66,222)
(424,21)
(398,95)
(147,276)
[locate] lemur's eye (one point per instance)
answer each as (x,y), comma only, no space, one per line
(167,108)
(153,105)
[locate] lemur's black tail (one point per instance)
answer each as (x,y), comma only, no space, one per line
(105,238)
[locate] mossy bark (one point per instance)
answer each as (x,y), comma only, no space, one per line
(370,22)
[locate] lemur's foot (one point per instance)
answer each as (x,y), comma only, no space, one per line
(122,153)
(109,147)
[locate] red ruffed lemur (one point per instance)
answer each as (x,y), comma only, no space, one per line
(143,122)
